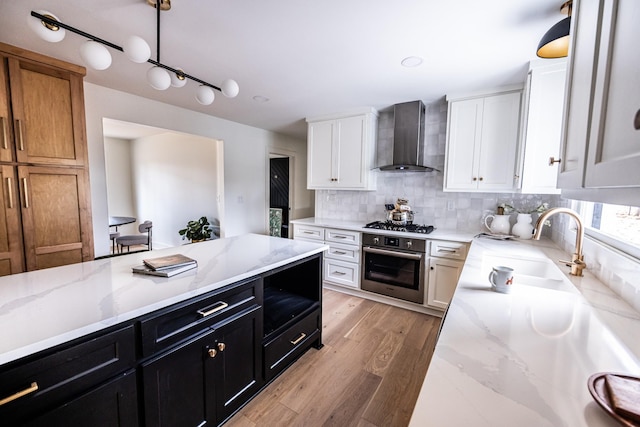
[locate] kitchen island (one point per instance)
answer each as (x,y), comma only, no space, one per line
(524,358)
(75,338)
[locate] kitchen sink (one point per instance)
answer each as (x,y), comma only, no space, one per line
(539,272)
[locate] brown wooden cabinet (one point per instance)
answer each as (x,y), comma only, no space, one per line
(46,215)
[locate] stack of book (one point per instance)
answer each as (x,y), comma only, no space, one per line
(166,266)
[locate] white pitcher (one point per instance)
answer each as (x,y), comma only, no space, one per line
(499,223)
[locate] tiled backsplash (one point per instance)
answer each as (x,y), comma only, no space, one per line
(462,212)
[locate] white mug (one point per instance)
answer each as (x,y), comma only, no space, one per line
(501,279)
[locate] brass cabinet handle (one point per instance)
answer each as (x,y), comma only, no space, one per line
(26,193)
(553,160)
(448,251)
(475,179)
(212,352)
(3,121)
(208,311)
(20,136)
(636,121)
(300,338)
(481,179)
(10,192)
(221,346)
(33,387)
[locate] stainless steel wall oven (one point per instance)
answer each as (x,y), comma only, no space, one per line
(393,266)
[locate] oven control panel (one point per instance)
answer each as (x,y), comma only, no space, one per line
(394,242)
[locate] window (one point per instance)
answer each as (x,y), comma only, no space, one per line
(615,225)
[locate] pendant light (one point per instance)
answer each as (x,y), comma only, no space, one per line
(94,53)
(555,42)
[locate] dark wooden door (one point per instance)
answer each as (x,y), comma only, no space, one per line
(238,367)
(176,386)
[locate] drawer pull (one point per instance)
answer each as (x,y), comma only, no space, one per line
(300,338)
(3,121)
(309,232)
(212,352)
(448,251)
(33,387)
(20,136)
(339,273)
(340,237)
(208,311)
(339,252)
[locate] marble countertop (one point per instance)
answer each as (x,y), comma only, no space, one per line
(44,308)
(524,358)
(436,234)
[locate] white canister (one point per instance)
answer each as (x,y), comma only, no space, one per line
(523,229)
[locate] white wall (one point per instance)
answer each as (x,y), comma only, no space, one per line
(119,179)
(245,150)
(175,180)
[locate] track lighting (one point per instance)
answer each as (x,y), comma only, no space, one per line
(95,54)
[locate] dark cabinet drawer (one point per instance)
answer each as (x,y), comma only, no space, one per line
(290,344)
(179,322)
(42,383)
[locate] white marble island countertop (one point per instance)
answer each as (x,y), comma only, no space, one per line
(524,358)
(44,308)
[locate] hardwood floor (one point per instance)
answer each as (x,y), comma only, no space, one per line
(368,373)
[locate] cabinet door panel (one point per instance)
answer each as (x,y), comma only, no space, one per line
(48,113)
(6,137)
(175,386)
(111,405)
(320,159)
(443,279)
(614,149)
(351,160)
(464,142)
(55,216)
(11,258)
(239,367)
(500,130)
(585,30)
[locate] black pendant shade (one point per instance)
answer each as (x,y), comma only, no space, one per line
(555,42)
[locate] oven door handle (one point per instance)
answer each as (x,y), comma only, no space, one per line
(397,254)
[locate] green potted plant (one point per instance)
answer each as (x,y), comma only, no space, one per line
(196,231)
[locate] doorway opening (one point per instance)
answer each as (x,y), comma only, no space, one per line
(279,200)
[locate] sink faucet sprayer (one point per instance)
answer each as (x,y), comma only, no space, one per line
(577,259)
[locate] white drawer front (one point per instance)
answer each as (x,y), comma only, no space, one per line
(348,253)
(308,232)
(342,236)
(453,250)
(342,273)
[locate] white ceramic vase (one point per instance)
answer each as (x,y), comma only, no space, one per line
(499,223)
(523,229)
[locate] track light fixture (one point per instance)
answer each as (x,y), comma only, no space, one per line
(95,55)
(555,42)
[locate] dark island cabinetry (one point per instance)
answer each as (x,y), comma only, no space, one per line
(191,363)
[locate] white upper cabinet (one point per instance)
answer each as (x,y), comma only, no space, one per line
(601,140)
(482,142)
(613,158)
(544,106)
(341,152)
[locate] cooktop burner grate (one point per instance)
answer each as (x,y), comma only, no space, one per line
(390,226)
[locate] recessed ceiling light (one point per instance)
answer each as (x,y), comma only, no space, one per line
(260,98)
(411,61)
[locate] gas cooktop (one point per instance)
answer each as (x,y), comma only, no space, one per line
(390,226)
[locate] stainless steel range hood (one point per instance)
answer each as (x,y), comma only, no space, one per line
(408,138)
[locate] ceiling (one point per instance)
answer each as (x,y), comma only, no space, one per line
(307,57)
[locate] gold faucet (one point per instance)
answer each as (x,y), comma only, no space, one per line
(577,259)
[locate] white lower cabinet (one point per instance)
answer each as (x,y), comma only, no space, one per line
(444,268)
(342,260)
